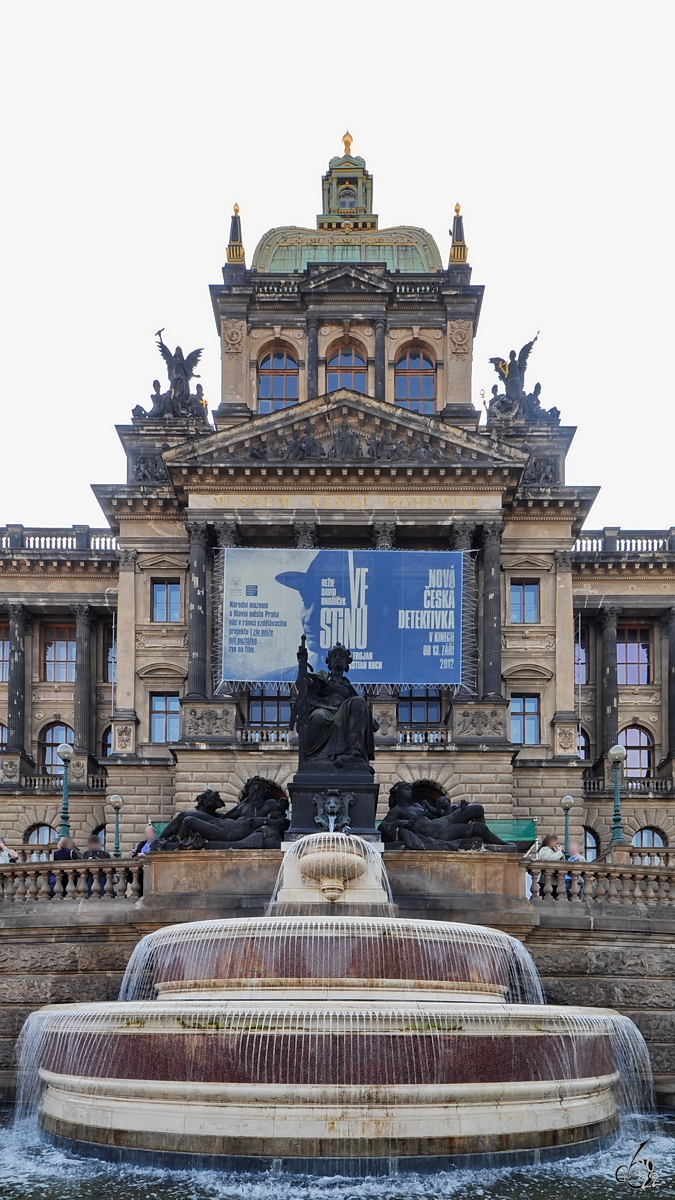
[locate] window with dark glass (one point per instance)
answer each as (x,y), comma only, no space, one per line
(580,658)
(347,198)
(166,601)
(3,736)
(58,653)
(277,381)
(649,839)
(525,720)
(591,844)
(41,835)
(110,665)
(4,653)
(51,737)
(633,654)
(346,369)
(419,705)
(106,743)
(269,704)
(524,602)
(415,382)
(639,752)
(583,744)
(164,718)
(99,832)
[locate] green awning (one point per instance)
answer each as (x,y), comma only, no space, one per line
(514,831)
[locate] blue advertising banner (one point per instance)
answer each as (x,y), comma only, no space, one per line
(399,612)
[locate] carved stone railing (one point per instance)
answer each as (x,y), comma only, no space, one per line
(625,541)
(636,883)
(55,882)
(15,537)
(641,787)
(270,735)
(54,783)
(425,735)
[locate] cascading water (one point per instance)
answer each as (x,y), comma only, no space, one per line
(331,1043)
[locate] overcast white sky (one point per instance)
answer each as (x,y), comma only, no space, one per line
(131,128)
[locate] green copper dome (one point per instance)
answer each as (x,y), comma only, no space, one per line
(347,230)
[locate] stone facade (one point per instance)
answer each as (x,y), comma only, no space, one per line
(404,478)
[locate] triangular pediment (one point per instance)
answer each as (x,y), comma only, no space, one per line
(526,562)
(347,277)
(347,427)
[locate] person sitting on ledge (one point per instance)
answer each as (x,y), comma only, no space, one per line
(204,827)
(146,843)
(462,827)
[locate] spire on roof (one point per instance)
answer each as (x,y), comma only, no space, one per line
(458,248)
(235,249)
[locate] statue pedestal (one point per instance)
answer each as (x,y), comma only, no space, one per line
(355,792)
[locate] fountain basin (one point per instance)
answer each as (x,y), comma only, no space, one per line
(235,1084)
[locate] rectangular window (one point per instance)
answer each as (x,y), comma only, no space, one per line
(164,715)
(524,602)
(58,653)
(110,656)
(4,653)
(419,705)
(166,601)
(525,720)
(580,658)
(633,655)
(269,705)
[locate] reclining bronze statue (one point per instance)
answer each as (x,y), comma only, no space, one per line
(437,825)
(257,822)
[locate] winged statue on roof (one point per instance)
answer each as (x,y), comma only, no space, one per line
(177,401)
(512,373)
(514,403)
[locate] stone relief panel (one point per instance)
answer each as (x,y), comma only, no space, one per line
(208,722)
(233,337)
(565,739)
(526,640)
(479,722)
(161,639)
(460,337)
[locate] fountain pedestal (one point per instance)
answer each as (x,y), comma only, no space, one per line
(356,792)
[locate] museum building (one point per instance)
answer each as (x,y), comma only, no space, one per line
(345,422)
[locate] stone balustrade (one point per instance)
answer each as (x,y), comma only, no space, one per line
(635,883)
(121,879)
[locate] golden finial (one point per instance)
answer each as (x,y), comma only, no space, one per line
(347,143)
(457,209)
(236,210)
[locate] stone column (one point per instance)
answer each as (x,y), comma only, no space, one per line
(669,626)
(16,691)
(492,611)
(196,680)
(380,365)
(461,535)
(83,622)
(312,359)
(124,718)
(610,690)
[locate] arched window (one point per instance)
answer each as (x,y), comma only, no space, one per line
(346,368)
(3,736)
(51,737)
(639,752)
(99,832)
(106,743)
(277,381)
(583,744)
(649,839)
(41,835)
(347,198)
(591,844)
(415,382)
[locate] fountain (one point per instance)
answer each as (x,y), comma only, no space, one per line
(331,1037)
